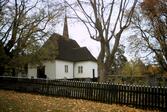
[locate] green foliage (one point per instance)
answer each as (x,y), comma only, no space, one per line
(3,56)
(49,51)
(24,29)
(119,60)
(133,68)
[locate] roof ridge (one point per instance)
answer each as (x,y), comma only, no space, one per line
(69,49)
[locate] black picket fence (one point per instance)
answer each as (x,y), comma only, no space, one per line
(145,97)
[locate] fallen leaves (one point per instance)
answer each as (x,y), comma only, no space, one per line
(11,101)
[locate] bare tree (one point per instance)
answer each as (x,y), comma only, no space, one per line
(150,24)
(2,5)
(24,26)
(105,21)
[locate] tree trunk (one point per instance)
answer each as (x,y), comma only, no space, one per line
(101,72)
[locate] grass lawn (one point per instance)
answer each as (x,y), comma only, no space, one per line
(11,101)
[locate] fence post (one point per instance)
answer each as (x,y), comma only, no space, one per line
(138,96)
(165,108)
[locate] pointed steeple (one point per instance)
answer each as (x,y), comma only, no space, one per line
(65,30)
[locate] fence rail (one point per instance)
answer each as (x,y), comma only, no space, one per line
(144,97)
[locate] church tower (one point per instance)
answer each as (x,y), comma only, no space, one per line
(65,30)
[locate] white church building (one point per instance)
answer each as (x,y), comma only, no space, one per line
(71,61)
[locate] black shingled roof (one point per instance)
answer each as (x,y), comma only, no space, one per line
(69,49)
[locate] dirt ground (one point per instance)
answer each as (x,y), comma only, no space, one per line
(11,101)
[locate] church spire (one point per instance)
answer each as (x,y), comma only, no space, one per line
(65,30)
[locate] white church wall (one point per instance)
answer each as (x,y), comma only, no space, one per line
(60,69)
(50,70)
(56,69)
(88,67)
